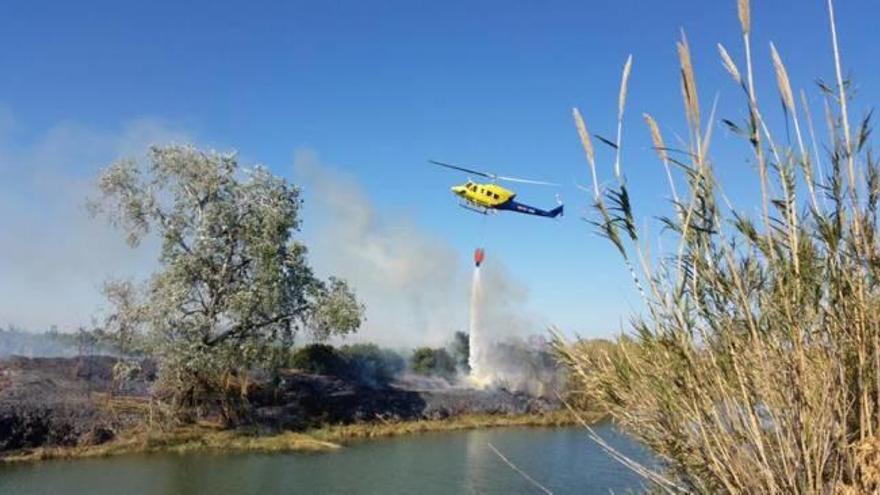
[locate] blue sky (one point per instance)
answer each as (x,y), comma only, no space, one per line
(376,88)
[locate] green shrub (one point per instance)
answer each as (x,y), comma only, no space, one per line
(432,362)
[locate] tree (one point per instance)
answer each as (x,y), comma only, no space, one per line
(233,286)
(432,362)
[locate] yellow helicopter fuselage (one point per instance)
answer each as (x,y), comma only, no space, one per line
(483,195)
(490,197)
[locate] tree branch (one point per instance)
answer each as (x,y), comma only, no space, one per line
(226,334)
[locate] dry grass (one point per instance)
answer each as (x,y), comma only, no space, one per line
(756,366)
(342,433)
(198,438)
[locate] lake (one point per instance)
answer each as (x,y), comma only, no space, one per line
(563,460)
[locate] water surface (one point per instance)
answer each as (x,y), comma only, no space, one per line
(562,459)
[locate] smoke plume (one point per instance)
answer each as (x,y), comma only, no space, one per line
(53,256)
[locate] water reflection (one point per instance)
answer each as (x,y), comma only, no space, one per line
(562,459)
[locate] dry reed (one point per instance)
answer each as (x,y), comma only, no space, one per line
(756,366)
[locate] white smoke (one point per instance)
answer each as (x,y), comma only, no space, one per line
(501,359)
(53,256)
(414,283)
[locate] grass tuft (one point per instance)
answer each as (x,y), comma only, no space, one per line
(343,433)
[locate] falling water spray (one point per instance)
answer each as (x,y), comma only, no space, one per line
(480,374)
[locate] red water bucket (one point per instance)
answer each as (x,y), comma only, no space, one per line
(479,254)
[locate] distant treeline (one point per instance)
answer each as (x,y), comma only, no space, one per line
(519,364)
(52,343)
(374,365)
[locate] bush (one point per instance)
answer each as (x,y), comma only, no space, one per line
(757,366)
(432,362)
(370,364)
(365,363)
(321,359)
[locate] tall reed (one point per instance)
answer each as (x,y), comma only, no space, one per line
(755,367)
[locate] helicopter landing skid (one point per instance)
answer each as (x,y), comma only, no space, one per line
(476,209)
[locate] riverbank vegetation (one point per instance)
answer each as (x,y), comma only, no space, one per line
(756,367)
(199,437)
(83,402)
(379,429)
(204,437)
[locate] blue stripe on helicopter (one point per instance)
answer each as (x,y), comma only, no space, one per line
(530,210)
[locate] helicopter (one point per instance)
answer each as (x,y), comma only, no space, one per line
(490,197)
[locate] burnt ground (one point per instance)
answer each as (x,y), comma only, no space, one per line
(301,400)
(50,401)
(62,401)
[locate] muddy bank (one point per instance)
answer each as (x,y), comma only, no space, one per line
(65,402)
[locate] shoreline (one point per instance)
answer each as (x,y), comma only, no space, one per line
(210,438)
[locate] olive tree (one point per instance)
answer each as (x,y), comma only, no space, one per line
(233,286)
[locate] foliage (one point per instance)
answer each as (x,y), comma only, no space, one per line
(756,368)
(370,364)
(322,359)
(365,363)
(432,362)
(234,286)
(587,350)
(461,351)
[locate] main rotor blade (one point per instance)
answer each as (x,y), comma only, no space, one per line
(456,167)
(527,181)
(493,176)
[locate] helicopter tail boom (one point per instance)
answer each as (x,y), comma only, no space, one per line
(531,210)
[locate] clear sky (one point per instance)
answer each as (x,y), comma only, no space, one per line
(376,88)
